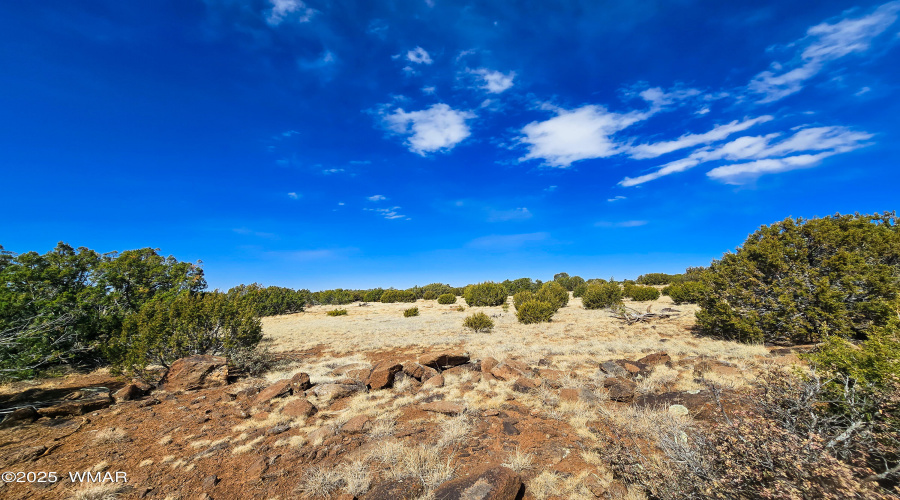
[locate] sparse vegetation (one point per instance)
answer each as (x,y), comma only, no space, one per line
(485,294)
(337,312)
(429,295)
(412,311)
(479,322)
(554,294)
(535,311)
(521,298)
(392,295)
(641,293)
(446,298)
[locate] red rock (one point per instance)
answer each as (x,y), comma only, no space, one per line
(127,393)
(433,382)
(283,387)
(498,483)
(382,376)
(523,384)
(19,416)
(299,408)
(301,381)
(504,371)
(445,407)
(330,392)
(488,364)
(320,434)
(257,468)
(408,489)
(77,407)
(444,359)
(659,358)
(631,368)
(518,365)
(196,372)
(620,389)
(419,372)
(356,425)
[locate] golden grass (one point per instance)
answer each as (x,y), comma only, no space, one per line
(101,491)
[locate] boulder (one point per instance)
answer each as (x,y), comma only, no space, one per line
(299,408)
(620,389)
(19,416)
(320,434)
(382,376)
(659,358)
(518,365)
(445,407)
(330,392)
(196,372)
(419,372)
(498,483)
(127,393)
(300,381)
(523,384)
(401,489)
(280,389)
(434,382)
(504,371)
(444,359)
(91,403)
(488,364)
(678,410)
(356,425)
(612,369)
(345,369)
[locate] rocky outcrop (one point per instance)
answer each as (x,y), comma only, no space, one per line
(498,483)
(196,372)
(382,376)
(444,360)
(401,489)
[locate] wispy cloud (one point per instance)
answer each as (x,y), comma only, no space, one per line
(259,234)
(329,171)
(418,55)
(616,198)
(388,213)
(627,223)
(293,196)
(718,133)
(376,197)
(438,128)
(829,140)
(494,82)
(292,10)
(520,213)
(823,43)
(506,242)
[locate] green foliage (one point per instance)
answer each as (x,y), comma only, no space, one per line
(521,284)
(521,298)
(337,312)
(446,298)
(169,328)
(641,293)
(479,322)
(429,295)
(574,282)
(63,307)
(373,295)
(874,363)
(460,308)
(392,295)
(412,311)
(800,281)
(335,297)
(485,294)
(535,311)
(437,288)
(554,294)
(690,292)
(655,279)
(579,290)
(600,296)
(251,362)
(269,301)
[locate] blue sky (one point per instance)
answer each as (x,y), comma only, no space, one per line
(360,144)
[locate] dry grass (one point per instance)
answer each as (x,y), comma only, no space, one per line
(110,436)
(519,461)
(101,491)
(356,477)
(320,481)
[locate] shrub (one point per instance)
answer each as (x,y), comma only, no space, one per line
(521,284)
(573,283)
(579,290)
(485,294)
(642,293)
(446,298)
(554,294)
(690,292)
(535,311)
(337,312)
(801,280)
(429,295)
(373,295)
(392,295)
(269,301)
(251,362)
(599,296)
(200,323)
(521,298)
(460,308)
(335,297)
(438,289)
(412,311)
(655,279)
(479,322)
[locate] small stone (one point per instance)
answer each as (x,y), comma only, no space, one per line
(434,382)
(659,358)
(301,381)
(488,364)
(127,393)
(678,410)
(209,482)
(498,483)
(523,384)
(504,371)
(382,376)
(283,387)
(356,425)
(278,429)
(299,408)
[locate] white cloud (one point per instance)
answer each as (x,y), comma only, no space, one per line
(828,140)
(340,203)
(617,198)
(376,197)
(418,55)
(332,171)
(742,172)
(822,44)
(249,232)
(293,196)
(718,133)
(550,189)
(388,213)
(580,134)
(438,128)
(495,82)
(430,90)
(325,60)
(520,213)
(864,90)
(283,9)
